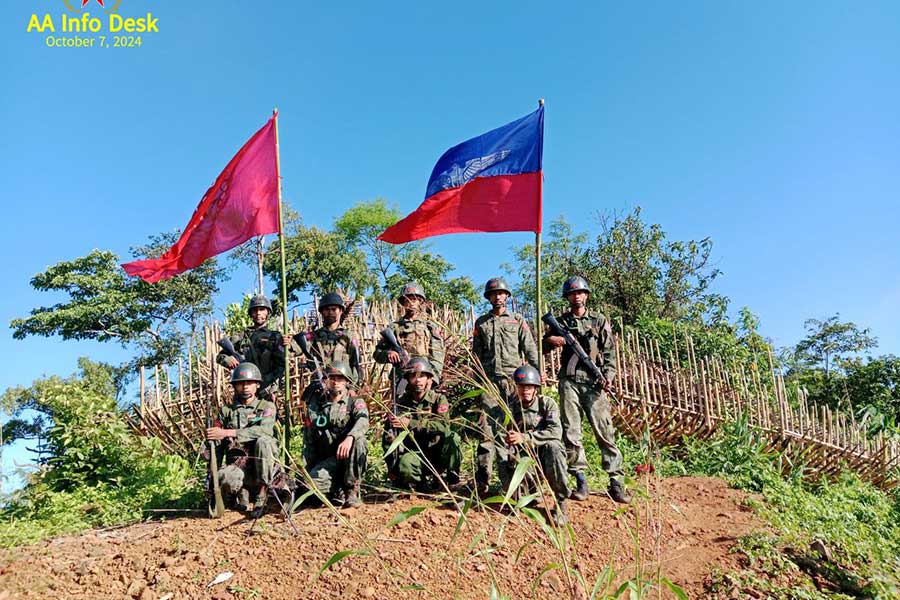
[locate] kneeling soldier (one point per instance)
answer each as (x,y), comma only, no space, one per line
(248,428)
(426,415)
(535,425)
(334,437)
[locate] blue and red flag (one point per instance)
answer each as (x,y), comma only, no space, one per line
(489,183)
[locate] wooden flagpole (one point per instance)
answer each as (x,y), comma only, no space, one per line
(286,434)
(537,273)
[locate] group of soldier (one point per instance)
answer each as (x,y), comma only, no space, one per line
(423,450)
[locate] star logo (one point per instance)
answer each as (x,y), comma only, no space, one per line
(84,3)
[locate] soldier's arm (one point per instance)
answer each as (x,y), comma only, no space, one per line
(478,342)
(437,420)
(550,427)
(263,425)
(527,345)
(222,356)
(355,362)
(360,414)
(277,351)
(381,350)
(608,350)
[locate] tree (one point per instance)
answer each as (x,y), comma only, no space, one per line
(562,255)
(105,304)
(633,270)
(828,340)
(350,258)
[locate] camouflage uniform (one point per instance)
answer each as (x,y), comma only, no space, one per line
(262,347)
(501,343)
(540,425)
(327,423)
(430,431)
(577,392)
(419,337)
(250,456)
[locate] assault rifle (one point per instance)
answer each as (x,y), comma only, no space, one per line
(219,510)
(388,337)
(303,342)
(571,342)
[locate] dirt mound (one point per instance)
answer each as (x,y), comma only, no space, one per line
(685,527)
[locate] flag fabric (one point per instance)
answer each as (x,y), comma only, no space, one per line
(490,183)
(242,203)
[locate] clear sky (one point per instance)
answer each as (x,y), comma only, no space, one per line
(771,127)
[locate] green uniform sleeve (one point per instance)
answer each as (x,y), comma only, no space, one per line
(435,420)
(527,345)
(478,347)
(608,350)
(550,427)
(265,426)
(359,412)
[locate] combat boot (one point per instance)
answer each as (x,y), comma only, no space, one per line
(242,500)
(617,492)
(581,490)
(560,516)
(354,498)
(259,507)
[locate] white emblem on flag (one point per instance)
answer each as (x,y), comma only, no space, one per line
(458,175)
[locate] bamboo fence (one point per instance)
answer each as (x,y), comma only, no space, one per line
(671,395)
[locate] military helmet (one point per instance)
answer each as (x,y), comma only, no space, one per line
(331,299)
(259,301)
(341,369)
(527,375)
(246,371)
(575,283)
(495,284)
(418,364)
(412,289)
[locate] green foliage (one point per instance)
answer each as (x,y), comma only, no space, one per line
(632,267)
(105,304)
(352,259)
(96,472)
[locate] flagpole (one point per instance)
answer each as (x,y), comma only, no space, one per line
(286,434)
(537,273)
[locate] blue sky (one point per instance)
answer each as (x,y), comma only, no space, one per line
(770,127)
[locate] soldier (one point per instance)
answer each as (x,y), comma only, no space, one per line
(502,342)
(535,429)
(417,335)
(426,415)
(579,392)
(247,426)
(260,346)
(332,343)
(334,437)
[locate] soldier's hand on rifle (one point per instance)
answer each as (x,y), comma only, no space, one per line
(555,341)
(606,384)
(216,434)
(231,362)
(286,340)
(393,357)
(514,437)
(400,422)
(343,450)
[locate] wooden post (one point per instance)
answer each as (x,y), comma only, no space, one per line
(143,392)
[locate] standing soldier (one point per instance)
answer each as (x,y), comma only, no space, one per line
(417,335)
(502,342)
(258,345)
(247,426)
(426,415)
(579,392)
(535,429)
(334,437)
(332,343)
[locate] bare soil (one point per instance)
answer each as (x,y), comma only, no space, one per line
(685,526)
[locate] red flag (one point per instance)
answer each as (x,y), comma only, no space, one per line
(242,203)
